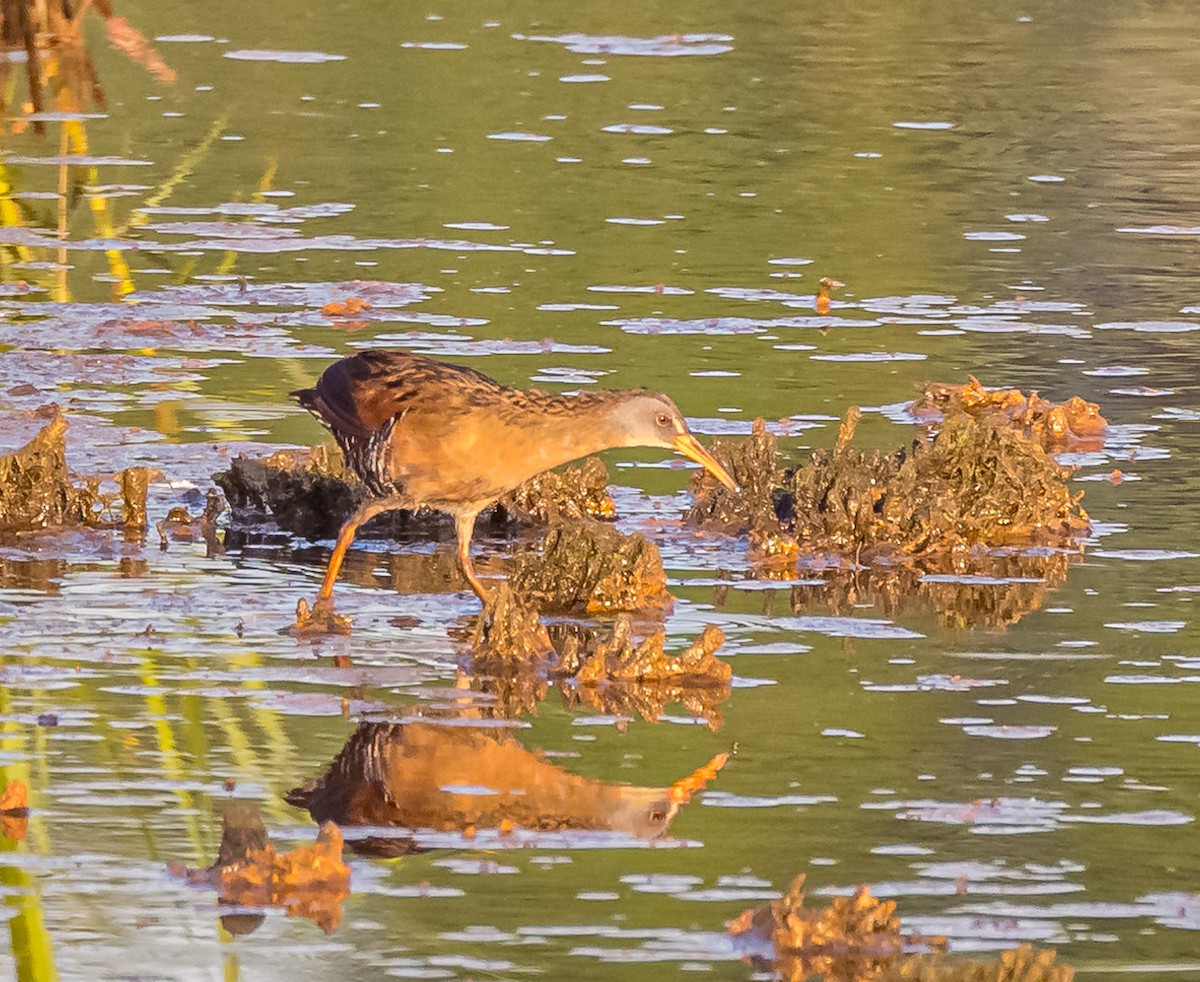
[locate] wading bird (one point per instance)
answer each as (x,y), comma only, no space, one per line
(422,433)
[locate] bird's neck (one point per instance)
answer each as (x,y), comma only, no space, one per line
(575,427)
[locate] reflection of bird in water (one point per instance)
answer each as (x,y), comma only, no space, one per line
(422,433)
(444,778)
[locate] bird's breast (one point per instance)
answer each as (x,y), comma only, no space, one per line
(476,461)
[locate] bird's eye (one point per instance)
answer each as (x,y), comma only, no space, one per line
(663,419)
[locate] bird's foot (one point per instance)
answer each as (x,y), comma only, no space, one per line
(320,618)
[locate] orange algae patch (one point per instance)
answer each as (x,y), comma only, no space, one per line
(345,308)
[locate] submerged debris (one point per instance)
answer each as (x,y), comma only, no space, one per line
(181,524)
(38,490)
(858,938)
(1054,424)
(591,566)
(309,881)
(311,492)
(431,776)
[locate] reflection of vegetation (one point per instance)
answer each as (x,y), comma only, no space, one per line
(993,591)
(309,881)
(57,59)
(50,35)
(29,939)
(515,659)
(858,939)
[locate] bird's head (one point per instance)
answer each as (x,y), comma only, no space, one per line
(651,419)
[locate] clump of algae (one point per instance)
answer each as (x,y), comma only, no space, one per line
(38,490)
(589,566)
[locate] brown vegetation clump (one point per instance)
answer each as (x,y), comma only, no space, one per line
(309,881)
(618,659)
(38,490)
(589,566)
(977,483)
(311,492)
(857,930)
(618,676)
(1054,424)
(975,518)
(509,634)
(858,939)
(755,467)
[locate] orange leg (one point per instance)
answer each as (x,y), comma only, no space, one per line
(345,537)
(464,528)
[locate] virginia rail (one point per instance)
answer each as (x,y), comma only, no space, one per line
(422,433)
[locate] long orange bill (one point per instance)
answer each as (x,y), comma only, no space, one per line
(689,446)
